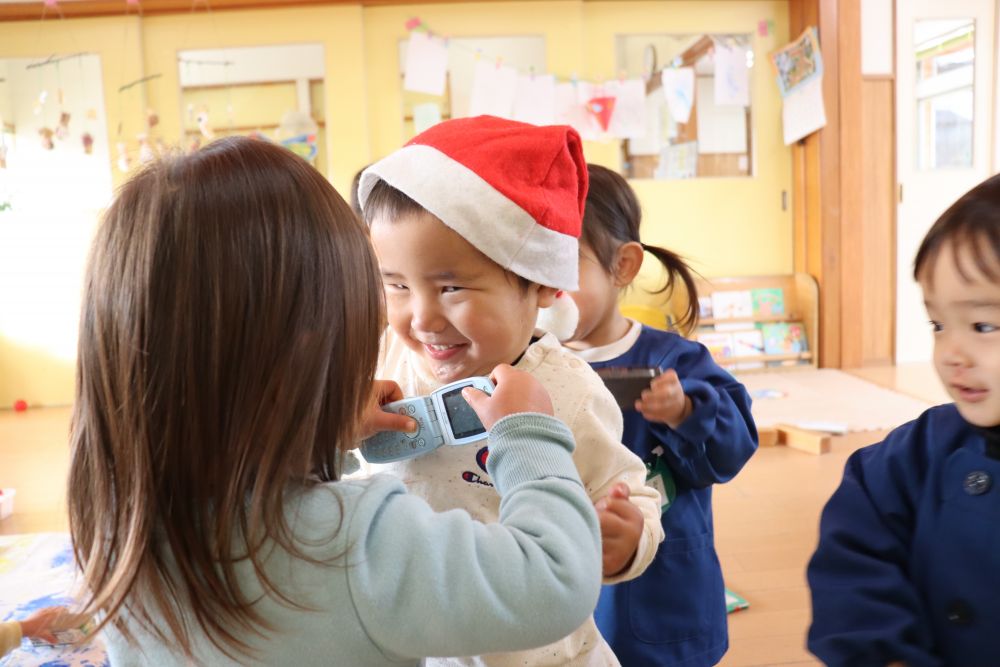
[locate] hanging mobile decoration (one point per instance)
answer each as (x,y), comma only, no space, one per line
(152,119)
(124,161)
(146,153)
(203,126)
(88,142)
(59,89)
(46,135)
(40,103)
(62,130)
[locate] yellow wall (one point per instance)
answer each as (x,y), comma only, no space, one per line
(726,226)
(723,226)
(337,28)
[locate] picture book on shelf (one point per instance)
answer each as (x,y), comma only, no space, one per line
(719,344)
(737,325)
(732,304)
(705,307)
(768,301)
(784,338)
(748,343)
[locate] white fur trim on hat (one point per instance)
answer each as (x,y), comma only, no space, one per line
(559,319)
(495,225)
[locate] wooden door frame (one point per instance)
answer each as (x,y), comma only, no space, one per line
(844,201)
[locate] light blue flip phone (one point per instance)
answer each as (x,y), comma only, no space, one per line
(444,418)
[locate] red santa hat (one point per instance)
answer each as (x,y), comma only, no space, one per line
(514,191)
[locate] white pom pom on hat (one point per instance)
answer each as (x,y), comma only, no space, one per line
(559,319)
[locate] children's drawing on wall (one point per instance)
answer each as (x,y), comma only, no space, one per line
(697,106)
(733,60)
(799,62)
(799,68)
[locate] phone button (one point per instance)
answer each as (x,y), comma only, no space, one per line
(420,428)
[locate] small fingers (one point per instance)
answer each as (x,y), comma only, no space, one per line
(388,421)
(667,377)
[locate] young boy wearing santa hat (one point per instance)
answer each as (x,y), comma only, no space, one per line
(476,225)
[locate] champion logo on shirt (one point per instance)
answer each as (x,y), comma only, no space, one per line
(476,478)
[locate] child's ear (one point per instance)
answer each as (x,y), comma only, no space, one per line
(628,261)
(546,296)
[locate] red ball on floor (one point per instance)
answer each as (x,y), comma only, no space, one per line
(20,405)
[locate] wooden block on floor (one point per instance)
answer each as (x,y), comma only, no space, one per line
(767,436)
(814,442)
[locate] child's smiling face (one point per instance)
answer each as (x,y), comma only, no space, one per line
(963,305)
(456,308)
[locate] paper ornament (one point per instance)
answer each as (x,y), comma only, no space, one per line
(47,135)
(40,103)
(152,119)
(602,108)
(146,153)
(88,143)
(203,126)
(62,130)
(124,161)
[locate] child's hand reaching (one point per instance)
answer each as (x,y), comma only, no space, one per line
(44,623)
(621,528)
(665,400)
(516,391)
(376,420)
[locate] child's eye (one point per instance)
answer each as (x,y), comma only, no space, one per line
(936,326)
(448,289)
(984,327)
(396,286)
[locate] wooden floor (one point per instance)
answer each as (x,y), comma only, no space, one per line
(766,519)
(766,524)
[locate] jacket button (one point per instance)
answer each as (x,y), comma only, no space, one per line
(960,613)
(977,483)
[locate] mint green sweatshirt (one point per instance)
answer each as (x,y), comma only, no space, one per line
(403,582)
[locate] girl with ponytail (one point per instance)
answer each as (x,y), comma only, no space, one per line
(692,426)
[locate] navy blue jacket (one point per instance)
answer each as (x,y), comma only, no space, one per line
(675,612)
(908,562)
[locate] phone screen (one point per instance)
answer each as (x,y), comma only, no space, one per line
(463,420)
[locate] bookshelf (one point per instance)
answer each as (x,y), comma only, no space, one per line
(760,322)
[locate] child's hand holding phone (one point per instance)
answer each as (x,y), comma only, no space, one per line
(665,400)
(516,391)
(376,420)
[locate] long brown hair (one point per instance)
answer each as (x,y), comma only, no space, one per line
(612,218)
(228,341)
